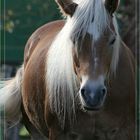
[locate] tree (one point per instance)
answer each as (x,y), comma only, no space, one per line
(127,20)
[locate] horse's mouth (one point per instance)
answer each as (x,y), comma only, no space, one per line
(87,108)
(95,107)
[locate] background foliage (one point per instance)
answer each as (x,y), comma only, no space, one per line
(19,19)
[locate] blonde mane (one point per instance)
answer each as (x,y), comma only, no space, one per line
(61,80)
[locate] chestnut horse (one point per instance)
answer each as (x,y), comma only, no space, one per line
(77,80)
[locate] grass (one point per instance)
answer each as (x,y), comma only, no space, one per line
(23,132)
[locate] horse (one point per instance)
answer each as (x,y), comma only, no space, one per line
(77,80)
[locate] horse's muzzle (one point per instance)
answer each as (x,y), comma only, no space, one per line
(93,99)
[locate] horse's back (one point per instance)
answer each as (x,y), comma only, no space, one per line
(45,34)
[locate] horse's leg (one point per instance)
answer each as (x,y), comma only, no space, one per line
(35,134)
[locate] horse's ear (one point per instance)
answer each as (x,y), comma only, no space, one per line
(111,5)
(67,7)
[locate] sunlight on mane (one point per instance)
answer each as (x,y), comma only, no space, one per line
(60,76)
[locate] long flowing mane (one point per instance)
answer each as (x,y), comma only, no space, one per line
(61,80)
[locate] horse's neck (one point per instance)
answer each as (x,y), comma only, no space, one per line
(126,60)
(122,85)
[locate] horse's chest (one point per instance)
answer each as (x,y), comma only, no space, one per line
(92,127)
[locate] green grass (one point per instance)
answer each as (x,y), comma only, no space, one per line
(23,132)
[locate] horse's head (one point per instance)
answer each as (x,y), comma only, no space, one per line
(92,64)
(94,49)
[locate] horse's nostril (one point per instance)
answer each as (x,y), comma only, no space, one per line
(83,92)
(103,91)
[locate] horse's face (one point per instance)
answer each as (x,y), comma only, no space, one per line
(93,53)
(92,62)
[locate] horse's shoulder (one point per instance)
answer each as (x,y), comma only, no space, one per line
(41,33)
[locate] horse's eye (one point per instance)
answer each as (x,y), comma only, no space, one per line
(112,41)
(77,61)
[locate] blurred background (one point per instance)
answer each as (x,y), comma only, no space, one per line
(20,18)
